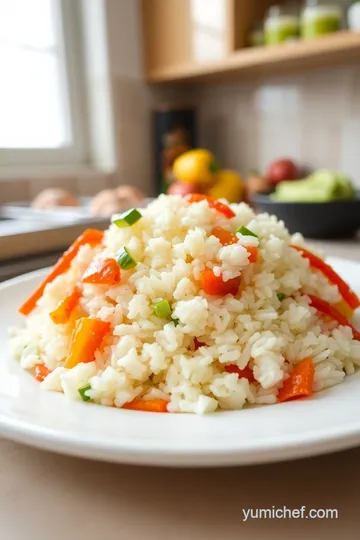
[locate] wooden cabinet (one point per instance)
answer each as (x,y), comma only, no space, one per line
(188,40)
(180,33)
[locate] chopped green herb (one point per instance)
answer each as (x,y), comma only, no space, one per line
(176,322)
(162,309)
(246,232)
(125,259)
(281,296)
(82,391)
(126,219)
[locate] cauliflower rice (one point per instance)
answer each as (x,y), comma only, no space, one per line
(148,357)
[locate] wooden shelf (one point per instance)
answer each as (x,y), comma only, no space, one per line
(340,48)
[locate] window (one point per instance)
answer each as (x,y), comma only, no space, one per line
(41,90)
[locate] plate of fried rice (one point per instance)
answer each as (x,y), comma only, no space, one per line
(192,332)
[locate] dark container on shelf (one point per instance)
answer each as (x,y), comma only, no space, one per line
(174,132)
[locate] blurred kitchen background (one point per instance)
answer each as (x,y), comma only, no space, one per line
(99,97)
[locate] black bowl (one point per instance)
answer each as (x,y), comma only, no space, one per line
(337,219)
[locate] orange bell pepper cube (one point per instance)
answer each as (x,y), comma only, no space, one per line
(228,239)
(216,286)
(62,313)
(150,405)
(41,372)
(333,313)
(86,340)
(90,236)
(300,382)
(315,262)
(246,373)
(106,272)
(213,203)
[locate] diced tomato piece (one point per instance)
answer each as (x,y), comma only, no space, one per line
(216,286)
(197,344)
(106,272)
(213,203)
(41,372)
(246,373)
(228,239)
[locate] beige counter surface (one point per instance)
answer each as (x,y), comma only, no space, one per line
(44,496)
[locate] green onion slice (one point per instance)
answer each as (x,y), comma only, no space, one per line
(162,309)
(82,391)
(281,296)
(176,322)
(246,232)
(126,219)
(125,259)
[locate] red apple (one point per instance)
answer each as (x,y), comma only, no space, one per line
(281,170)
(178,188)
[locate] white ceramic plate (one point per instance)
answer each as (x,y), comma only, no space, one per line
(328,422)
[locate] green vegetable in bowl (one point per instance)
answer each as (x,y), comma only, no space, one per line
(321,186)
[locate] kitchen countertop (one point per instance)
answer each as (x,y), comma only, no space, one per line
(20,238)
(45,496)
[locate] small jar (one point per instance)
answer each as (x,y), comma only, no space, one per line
(281,25)
(318,19)
(354,17)
(256,36)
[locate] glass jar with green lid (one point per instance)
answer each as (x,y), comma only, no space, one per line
(320,17)
(256,36)
(281,25)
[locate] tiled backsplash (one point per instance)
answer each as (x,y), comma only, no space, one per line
(312,117)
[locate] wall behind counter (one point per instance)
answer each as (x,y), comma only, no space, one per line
(313,117)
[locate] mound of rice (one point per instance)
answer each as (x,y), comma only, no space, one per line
(148,357)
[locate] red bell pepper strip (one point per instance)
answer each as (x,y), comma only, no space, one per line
(216,286)
(106,272)
(90,236)
(41,372)
(62,313)
(150,405)
(213,203)
(300,382)
(227,239)
(86,340)
(315,262)
(331,311)
(246,373)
